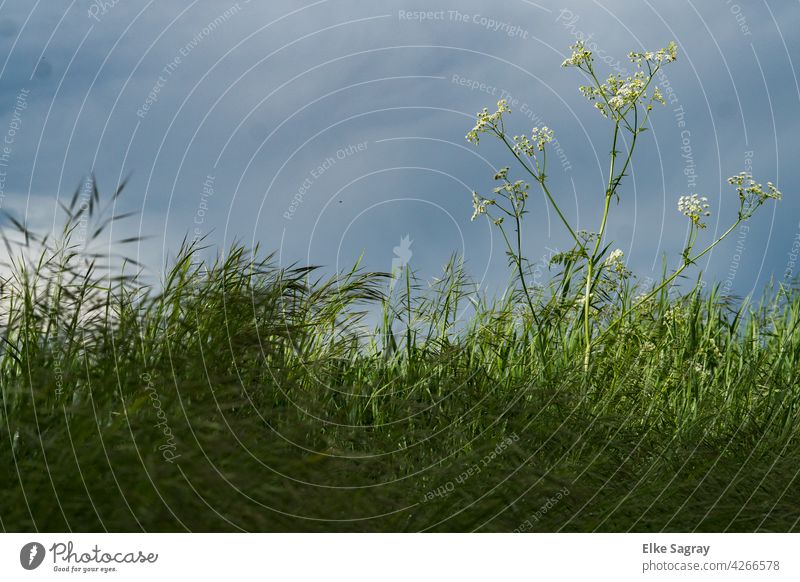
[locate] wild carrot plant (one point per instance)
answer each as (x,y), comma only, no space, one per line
(627,102)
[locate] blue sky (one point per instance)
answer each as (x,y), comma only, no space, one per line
(329,130)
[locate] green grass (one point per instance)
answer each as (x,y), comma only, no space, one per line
(240,395)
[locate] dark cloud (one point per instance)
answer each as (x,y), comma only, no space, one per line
(260,96)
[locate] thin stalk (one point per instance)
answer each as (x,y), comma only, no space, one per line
(518,260)
(544,187)
(408,316)
(587,329)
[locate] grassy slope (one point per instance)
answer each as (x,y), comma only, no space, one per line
(687,420)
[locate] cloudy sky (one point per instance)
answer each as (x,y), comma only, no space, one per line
(333,129)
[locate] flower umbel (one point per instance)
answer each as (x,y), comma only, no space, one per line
(479,205)
(616,262)
(665,55)
(515,192)
(579,56)
(618,95)
(542,136)
(539,137)
(694,207)
(502,174)
(488,121)
(751,193)
(625,92)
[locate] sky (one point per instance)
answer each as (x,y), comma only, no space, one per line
(333,131)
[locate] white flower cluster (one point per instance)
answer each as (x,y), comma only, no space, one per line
(616,262)
(674,315)
(751,191)
(664,55)
(479,205)
(657,96)
(627,92)
(539,137)
(615,256)
(618,94)
(694,207)
(487,121)
(502,174)
(579,56)
(515,191)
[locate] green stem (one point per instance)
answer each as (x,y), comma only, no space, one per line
(541,182)
(522,274)
(409,352)
(587,329)
(622,172)
(518,260)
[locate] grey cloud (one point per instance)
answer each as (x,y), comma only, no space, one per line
(345,70)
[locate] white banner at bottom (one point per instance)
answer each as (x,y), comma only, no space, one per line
(390,557)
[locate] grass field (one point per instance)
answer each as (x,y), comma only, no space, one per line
(244,396)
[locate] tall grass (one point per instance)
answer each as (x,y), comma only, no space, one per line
(241,395)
